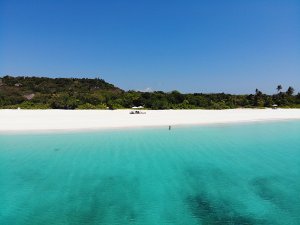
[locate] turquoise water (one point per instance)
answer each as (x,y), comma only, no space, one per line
(241,174)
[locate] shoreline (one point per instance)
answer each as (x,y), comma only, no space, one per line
(15,121)
(135,128)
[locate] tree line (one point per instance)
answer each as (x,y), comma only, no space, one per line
(84,93)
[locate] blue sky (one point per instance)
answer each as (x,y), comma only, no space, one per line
(231,46)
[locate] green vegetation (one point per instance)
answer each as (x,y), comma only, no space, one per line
(74,93)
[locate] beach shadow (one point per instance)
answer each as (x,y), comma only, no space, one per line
(107,200)
(212,212)
(216,208)
(273,190)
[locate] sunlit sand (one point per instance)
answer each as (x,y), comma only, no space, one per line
(31,120)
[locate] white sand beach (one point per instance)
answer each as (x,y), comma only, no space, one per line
(55,120)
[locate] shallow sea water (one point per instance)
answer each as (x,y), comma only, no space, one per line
(238,174)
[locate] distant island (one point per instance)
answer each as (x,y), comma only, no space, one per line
(83,93)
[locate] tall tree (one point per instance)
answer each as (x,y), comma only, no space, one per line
(290,91)
(258,92)
(279,87)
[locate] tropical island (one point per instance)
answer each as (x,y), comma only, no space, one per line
(27,92)
(149,112)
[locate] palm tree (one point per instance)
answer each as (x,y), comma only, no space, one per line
(279,87)
(258,92)
(290,91)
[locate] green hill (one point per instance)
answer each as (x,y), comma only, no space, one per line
(64,93)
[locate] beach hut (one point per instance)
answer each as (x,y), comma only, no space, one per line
(138,107)
(137,111)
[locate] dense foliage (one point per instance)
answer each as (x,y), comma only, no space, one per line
(74,93)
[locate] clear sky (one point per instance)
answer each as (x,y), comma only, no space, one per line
(231,46)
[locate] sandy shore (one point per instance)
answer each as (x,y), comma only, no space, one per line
(44,120)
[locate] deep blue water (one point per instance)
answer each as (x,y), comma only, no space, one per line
(239,174)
